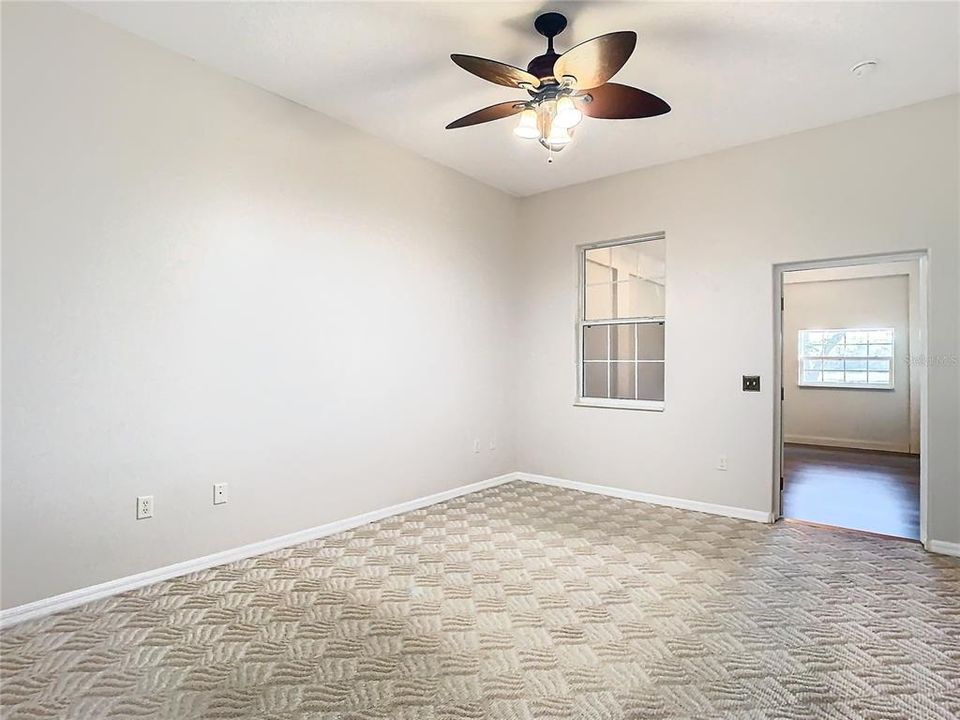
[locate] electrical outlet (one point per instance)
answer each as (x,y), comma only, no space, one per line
(722,462)
(751,383)
(492,446)
(219,493)
(144,507)
(476,445)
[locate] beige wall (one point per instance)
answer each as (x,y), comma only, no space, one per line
(203,282)
(883,183)
(871,419)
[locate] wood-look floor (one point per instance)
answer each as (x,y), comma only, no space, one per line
(858,489)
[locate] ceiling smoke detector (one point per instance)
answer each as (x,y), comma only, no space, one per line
(862,69)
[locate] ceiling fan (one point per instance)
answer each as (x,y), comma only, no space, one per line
(563,88)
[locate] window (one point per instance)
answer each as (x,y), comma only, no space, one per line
(620,327)
(850,358)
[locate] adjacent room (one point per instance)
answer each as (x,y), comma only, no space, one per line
(852,397)
(449,361)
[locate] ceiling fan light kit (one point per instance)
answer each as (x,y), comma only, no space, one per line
(563,88)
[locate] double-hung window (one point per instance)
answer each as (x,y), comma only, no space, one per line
(620,324)
(846,358)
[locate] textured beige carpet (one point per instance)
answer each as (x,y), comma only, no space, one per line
(522,601)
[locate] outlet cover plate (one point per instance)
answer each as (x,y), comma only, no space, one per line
(219,493)
(144,507)
(751,383)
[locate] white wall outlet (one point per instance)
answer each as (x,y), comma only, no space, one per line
(476,445)
(144,507)
(722,462)
(219,493)
(492,446)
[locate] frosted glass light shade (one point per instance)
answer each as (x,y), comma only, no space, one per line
(558,136)
(568,114)
(527,128)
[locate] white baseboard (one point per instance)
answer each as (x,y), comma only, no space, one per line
(944,548)
(694,505)
(855,443)
(67,600)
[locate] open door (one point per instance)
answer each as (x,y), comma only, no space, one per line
(851,454)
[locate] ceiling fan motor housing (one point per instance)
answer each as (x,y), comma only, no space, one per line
(542,66)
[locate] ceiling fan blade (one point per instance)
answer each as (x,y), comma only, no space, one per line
(494,112)
(621,102)
(595,61)
(496,72)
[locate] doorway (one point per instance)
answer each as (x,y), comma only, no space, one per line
(849,416)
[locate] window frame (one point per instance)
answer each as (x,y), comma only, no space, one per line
(581,322)
(806,384)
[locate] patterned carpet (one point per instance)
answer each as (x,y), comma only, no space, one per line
(518,602)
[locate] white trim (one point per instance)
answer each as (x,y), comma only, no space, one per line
(580,253)
(944,548)
(626,240)
(638,320)
(922,333)
(654,405)
(67,600)
(843,386)
(855,443)
(681,503)
(852,260)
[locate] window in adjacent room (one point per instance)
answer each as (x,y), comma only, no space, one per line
(620,327)
(846,358)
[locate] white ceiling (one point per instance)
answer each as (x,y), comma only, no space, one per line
(733,72)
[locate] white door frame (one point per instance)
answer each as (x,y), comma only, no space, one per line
(921,351)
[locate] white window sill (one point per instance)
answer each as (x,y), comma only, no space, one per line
(844,386)
(648,405)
